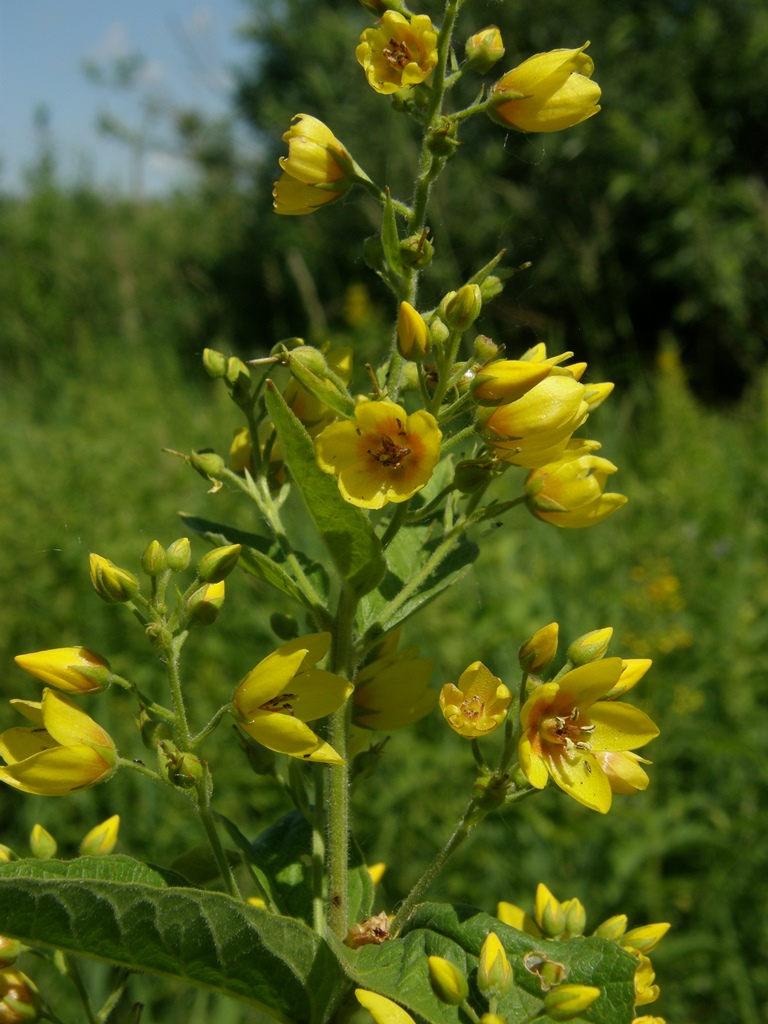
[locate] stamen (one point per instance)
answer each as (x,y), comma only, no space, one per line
(390,454)
(282,704)
(397,54)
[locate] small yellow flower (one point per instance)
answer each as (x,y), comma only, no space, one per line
(317,170)
(479,703)
(65,751)
(398,53)
(516,917)
(382,455)
(393,691)
(72,669)
(538,652)
(565,725)
(383,1010)
(284,692)
(553,91)
(645,976)
(494,971)
(645,938)
(102,839)
(570,492)
(536,428)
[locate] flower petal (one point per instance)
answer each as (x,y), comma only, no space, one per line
(620,726)
(317,693)
(57,771)
(68,724)
(585,684)
(580,776)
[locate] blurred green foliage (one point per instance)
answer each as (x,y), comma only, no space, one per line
(647,228)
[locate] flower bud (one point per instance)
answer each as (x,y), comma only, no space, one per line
(590,647)
(7,854)
(460,309)
(102,839)
(237,371)
(19,998)
(492,1018)
(154,560)
(219,563)
(438,331)
(284,626)
(10,950)
(449,983)
(179,554)
(549,913)
(538,652)
(613,928)
(72,669)
(215,363)
(442,140)
(112,584)
(181,768)
(472,474)
(644,939)
(486,349)
(413,341)
(41,843)
(203,606)
(208,464)
(310,358)
(416,251)
(484,49)
(151,730)
(494,973)
(575,917)
(568,1001)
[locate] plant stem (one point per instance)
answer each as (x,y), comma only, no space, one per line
(203,805)
(73,972)
(318,854)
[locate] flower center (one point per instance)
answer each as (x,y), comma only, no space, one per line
(567,731)
(280,705)
(473,710)
(390,454)
(397,54)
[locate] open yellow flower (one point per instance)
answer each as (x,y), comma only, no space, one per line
(393,691)
(554,91)
(382,455)
(398,53)
(479,703)
(570,491)
(536,428)
(566,725)
(317,170)
(283,692)
(65,751)
(72,669)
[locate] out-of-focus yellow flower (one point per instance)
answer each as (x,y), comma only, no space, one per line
(565,724)
(317,170)
(376,871)
(536,428)
(648,1019)
(393,691)
(554,91)
(19,998)
(570,492)
(646,938)
(283,692)
(382,455)
(383,1010)
(479,703)
(398,53)
(65,751)
(72,669)
(102,839)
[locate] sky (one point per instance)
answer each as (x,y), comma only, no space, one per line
(190,48)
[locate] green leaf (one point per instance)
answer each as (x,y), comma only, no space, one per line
(261,558)
(204,938)
(346,531)
(114,868)
(407,553)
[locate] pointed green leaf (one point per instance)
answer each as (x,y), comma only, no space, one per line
(204,938)
(346,530)
(262,558)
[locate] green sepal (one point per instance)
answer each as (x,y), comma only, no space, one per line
(203,938)
(322,388)
(390,239)
(345,530)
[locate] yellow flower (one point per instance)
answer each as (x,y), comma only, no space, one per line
(398,53)
(646,938)
(65,751)
(570,492)
(494,971)
(449,984)
(479,703)
(72,669)
(568,1001)
(553,90)
(623,771)
(516,917)
(645,976)
(565,724)
(413,339)
(536,428)
(393,691)
(382,455)
(484,49)
(284,692)
(317,170)
(383,1010)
